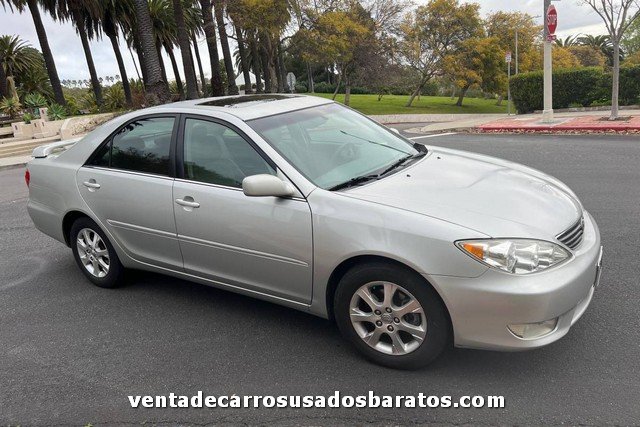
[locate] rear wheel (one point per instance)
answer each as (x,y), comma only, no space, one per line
(391,315)
(94,254)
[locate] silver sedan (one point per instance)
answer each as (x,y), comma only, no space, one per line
(303,202)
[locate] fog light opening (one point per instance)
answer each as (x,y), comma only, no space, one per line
(529,331)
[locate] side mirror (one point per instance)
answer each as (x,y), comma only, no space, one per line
(266,186)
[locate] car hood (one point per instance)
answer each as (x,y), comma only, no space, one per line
(491,196)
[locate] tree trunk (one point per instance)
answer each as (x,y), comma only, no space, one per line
(212,44)
(163,69)
(264,59)
(335,92)
(500,98)
(196,50)
(218,6)
(4,90)
(176,70)
(156,89)
(255,61)
(615,88)
(463,93)
(123,70)
(138,48)
(95,83)
(347,90)
(46,52)
(280,73)
(417,91)
(310,87)
(244,63)
(185,51)
(134,64)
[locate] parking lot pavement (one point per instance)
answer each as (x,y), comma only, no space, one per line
(71,352)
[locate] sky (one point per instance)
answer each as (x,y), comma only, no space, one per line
(573,17)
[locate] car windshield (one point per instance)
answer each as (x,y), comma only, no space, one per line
(332,145)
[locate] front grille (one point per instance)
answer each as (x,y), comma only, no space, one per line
(572,237)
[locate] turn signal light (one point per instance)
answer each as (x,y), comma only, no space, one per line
(27,177)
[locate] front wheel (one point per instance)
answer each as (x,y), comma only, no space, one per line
(95,255)
(391,315)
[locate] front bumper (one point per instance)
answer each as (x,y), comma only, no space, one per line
(482,307)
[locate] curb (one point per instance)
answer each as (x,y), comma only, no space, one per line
(13,166)
(561,128)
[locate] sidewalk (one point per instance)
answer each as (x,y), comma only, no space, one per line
(565,122)
(593,121)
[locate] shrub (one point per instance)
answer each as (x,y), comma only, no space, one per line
(630,85)
(301,87)
(27,117)
(10,107)
(34,101)
(72,107)
(324,87)
(578,86)
(56,112)
(114,98)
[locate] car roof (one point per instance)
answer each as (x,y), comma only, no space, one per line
(249,107)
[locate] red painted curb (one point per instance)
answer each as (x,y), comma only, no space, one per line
(559,128)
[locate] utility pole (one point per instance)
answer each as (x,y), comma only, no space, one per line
(516,51)
(547,113)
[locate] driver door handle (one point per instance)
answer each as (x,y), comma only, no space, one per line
(188,202)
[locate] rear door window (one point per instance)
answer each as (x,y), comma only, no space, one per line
(143,145)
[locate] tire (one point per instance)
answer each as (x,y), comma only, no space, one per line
(430,317)
(82,232)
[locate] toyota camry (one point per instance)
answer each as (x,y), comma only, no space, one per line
(303,202)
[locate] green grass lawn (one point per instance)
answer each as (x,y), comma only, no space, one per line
(395,104)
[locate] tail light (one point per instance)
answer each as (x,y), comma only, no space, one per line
(27,177)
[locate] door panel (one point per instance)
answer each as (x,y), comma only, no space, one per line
(137,210)
(128,185)
(262,243)
(259,243)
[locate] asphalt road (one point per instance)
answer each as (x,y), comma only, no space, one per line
(71,353)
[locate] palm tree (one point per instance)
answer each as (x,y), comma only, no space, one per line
(219,6)
(156,88)
(32,5)
(164,29)
(16,55)
(117,13)
(212,44)
(568,41)
(242,57)
(255,60)
(185,50)
(602,43)
(85,16)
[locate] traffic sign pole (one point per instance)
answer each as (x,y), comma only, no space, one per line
(550,24)
(508,61)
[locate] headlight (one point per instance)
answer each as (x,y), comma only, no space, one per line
(518,256)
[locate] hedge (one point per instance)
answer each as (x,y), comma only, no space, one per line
(581,86)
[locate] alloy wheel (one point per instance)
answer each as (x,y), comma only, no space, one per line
(93,252)
(388,318)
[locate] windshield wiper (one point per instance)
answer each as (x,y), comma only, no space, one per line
(354,181)
(372,177)
(401,162)
(372,142)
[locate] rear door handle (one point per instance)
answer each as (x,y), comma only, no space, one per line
(188,203)
(91,184)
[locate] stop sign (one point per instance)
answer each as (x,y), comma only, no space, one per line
(552,20)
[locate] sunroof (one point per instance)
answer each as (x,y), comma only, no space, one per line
(246,100)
